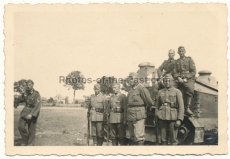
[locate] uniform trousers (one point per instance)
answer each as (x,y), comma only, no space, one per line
(137,130)
(164,125)
(28,135)
(117,131)
(97,129)
(186,88)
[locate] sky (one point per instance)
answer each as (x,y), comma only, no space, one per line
(109,41)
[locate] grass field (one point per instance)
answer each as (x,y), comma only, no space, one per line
(57,126)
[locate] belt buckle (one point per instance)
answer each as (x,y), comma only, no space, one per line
(165,104)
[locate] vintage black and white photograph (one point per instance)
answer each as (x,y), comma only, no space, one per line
(109,75)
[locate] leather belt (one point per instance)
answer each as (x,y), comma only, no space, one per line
(101,110)
(132,106)
(166,104)
(172,105)
(28,106)
(184,72)
(117,110)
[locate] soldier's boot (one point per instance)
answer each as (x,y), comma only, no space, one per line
(164,143)
(140,143)
(188,111)
(115,142)
(94,141)
(122,142)
(100,141)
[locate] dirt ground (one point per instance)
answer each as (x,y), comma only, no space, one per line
(57,126)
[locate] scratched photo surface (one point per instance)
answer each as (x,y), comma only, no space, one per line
(85,78)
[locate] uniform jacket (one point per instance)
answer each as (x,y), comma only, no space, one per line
(184,68)
(97,101)
(167,66)
(171,95)
(138,96)
(32,102)
(117,101)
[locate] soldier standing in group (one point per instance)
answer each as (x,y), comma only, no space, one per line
(138,99)
(96,111)
(184,72)
(29,113)
(118,111)
(169,111)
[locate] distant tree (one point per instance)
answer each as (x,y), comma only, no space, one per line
(50,100)
(106,84)
(76,81)
(20,86)
(67,100)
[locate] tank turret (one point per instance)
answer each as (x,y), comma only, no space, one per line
(147,73)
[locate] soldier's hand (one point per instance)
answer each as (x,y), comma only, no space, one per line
(185,80)
(178,123)
(180,80)
(155,120)
(29,117)
(88,114)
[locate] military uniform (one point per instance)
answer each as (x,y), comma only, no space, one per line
(170,107)
(138,99)
(118,111)
(186,69)
(168,67)
(97,107)
(32,101)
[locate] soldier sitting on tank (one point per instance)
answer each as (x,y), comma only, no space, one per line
(185,71)
(166,67)
(117,112)
(138,99)
(169,111)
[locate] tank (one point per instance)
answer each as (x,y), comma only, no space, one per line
(202,127)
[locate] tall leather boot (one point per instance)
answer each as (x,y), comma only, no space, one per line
(188,111)
(94,141)
(122,142)
(140,143)
(115,142)
(100,141)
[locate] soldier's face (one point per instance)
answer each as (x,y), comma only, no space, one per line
(168,82)
(171,54)
(97,91)
(116,89)
(30,86)
(181,52)
(133,82)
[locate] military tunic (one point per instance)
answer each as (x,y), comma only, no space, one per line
(167,66)
(138,99)
(185,68)
(97,107)
(32,102)
(169,108)
(118,112)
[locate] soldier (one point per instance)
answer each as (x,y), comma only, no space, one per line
(118,110)
(29,114)
(167,66)
(96,112)
(138,99)
(184,72)
(169,111)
